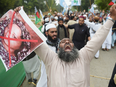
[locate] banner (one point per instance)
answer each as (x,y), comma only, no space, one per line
(18,37)
(63,3)
(75,2)
(92,9)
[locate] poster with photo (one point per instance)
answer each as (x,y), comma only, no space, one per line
(18,37)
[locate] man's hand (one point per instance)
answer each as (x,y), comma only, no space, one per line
(113,12)
(17,9)
(66,25)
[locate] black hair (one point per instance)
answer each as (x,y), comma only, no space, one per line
(60,19)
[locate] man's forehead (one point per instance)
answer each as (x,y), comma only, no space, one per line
(65,39)
(52,29)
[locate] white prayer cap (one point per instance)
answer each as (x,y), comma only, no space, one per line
(47,20)
(58,14)
(85,15)
(49,26)
(52,17)
(56,18)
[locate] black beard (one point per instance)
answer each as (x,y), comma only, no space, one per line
(66,20)
(68,56)
(80,25)
(50,38)
(61,25)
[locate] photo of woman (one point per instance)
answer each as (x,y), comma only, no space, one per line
(20,31)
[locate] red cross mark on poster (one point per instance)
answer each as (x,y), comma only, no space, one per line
(9,39)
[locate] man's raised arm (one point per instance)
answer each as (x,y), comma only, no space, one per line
(97,40)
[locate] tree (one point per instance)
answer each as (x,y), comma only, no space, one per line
(5,5)
(51,4)
(103,4)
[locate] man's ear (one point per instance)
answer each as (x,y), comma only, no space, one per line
(46,33)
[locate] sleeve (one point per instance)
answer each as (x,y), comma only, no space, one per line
(95,43)
(87,32)
(89,24)
(68,14)
(45,54)
(71,26)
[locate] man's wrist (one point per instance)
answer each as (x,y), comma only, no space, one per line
(112,19)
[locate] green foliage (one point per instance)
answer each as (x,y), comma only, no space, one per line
(5,5)
(103,4)
(29,5)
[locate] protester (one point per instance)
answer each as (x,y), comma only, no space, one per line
(61,29)
(81,30)
(52,40)
(55,21)
(71,22)
(94,27)
(107,43)
(47,20)
(32,65)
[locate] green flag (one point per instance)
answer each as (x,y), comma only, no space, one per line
(37,16)
(75,1)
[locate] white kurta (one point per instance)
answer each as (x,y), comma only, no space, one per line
(107,42)
(32,66)
(93,28)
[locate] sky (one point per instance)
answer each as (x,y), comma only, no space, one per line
(67,2)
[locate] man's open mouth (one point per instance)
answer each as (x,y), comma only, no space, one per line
(68,48)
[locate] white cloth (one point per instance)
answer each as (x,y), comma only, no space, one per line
(49,26)
(44,26)
(93,28)
(55,23)
(32,66)
(43,78)
(113,38)
(108,40)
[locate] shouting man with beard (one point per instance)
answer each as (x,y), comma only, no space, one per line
(70,68)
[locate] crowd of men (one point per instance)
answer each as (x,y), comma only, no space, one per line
(73,39)
(81,31)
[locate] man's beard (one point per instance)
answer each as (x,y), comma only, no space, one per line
(66,20)
(68,56)
(52,40)
(81,25)
(60,25)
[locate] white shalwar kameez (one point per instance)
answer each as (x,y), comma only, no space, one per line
(108,40)
(93,28)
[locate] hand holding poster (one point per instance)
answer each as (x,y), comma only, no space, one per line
(20,40)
